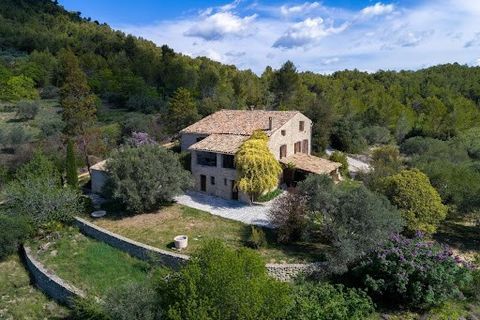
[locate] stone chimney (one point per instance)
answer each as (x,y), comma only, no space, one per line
(270,123)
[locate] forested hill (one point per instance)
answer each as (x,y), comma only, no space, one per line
(349,108)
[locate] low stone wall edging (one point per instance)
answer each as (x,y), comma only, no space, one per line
(283,272)
(48,282)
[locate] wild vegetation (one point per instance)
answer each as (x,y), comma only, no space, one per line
(74,91)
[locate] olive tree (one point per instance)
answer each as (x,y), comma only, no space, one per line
(146,177)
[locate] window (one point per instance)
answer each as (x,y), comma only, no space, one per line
(301,125)
(225,181)
(228,161)
(305,146)
(207,159)
(212,181)
(284,132)
(283,151)
(297,147)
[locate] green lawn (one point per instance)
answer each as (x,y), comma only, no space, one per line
(89,265)
(158,229)
(19,299)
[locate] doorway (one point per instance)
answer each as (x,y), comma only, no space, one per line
(203,183)
(234,190)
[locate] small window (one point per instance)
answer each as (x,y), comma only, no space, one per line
(284,132)
(212,181)
(283,151)
(225,181)
(301,125)
(297,147)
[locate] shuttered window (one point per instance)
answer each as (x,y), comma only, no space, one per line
(283,151)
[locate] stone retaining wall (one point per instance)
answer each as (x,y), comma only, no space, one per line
(283,272)
(49,283)
(137,249)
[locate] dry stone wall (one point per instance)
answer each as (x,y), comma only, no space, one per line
(283,272)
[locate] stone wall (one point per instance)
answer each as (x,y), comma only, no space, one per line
(283,272)
(49,283)
(134,248)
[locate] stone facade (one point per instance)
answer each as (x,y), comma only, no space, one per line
(219,180)
(49,283)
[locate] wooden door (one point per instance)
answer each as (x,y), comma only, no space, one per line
(234,190)
(203,183)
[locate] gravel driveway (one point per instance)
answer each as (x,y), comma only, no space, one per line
(250,214)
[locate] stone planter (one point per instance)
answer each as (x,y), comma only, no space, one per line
(181,242)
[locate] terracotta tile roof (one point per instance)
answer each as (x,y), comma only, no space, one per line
(311,163)
(242,122)
(99,166)
(220,143)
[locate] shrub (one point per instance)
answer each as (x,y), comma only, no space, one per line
(411,272)
(269,195)
(289,217)
(18,135)
(49,92)
(340,157)
(376,135)
(222,283)
(329,302)
(352,217)
(15,229)
(346,136)
(88,309)
(257,238)
(131,301)
(50,126)
(36,193)
(145,177)
(71,166)
(27,110)
(139,139)
(419,202)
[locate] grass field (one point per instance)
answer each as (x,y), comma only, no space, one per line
(19,299)
(158,229)
(89,265)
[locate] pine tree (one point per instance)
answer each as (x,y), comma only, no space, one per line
(258,170)
(71,166)
(182,110)
(79,104)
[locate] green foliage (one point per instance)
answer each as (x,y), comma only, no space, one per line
(376,135)
(340,157)
(88,309)
(346,136)
(221,283)
(386,161)
(36,193)
(411,272)
(18,87)
(269,195)
(71,166)
(27,110)
(289,216)
(353,218)
(131,301)
(258,170)
(419,202)
(257,238)
(329,302)
(79,105)
(146,177)
(15,229)
(182,110)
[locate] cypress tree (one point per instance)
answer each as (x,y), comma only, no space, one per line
(71,166)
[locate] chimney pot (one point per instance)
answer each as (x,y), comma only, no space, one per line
(270,123)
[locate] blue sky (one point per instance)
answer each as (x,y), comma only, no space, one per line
(321,36)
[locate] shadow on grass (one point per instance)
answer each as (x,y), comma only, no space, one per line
(458,235)
(116,211)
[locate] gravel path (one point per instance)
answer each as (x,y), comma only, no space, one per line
(230,209)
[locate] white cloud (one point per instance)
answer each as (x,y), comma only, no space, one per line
(305,7)
(306,32)
(474,42)
(377,9)
(254,35)
(219,25)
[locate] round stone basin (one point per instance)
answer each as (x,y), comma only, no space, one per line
(98,213)
(181,242)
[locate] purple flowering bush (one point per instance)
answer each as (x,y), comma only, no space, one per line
(412,273)
(140,139)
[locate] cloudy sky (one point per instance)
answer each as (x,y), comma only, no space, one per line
(320,36)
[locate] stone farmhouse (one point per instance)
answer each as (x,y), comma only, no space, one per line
(214,140)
